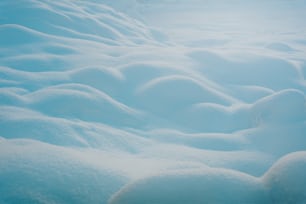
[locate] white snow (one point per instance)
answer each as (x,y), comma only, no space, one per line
(145,101)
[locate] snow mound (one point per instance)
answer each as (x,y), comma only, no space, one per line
(286,179)
(206,186)
(44,173)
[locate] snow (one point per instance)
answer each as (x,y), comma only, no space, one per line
(205,185)
(286,179)
(152,101)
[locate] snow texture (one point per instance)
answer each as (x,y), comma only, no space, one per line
(152,102)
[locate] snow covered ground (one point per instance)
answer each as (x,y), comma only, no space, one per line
(152,101)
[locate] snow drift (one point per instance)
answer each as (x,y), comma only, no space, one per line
(152,102)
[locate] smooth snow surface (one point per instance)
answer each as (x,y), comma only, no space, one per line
(152,102)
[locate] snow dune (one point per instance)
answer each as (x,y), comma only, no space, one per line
(152,102)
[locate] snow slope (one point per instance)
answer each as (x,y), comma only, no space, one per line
(152,101)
